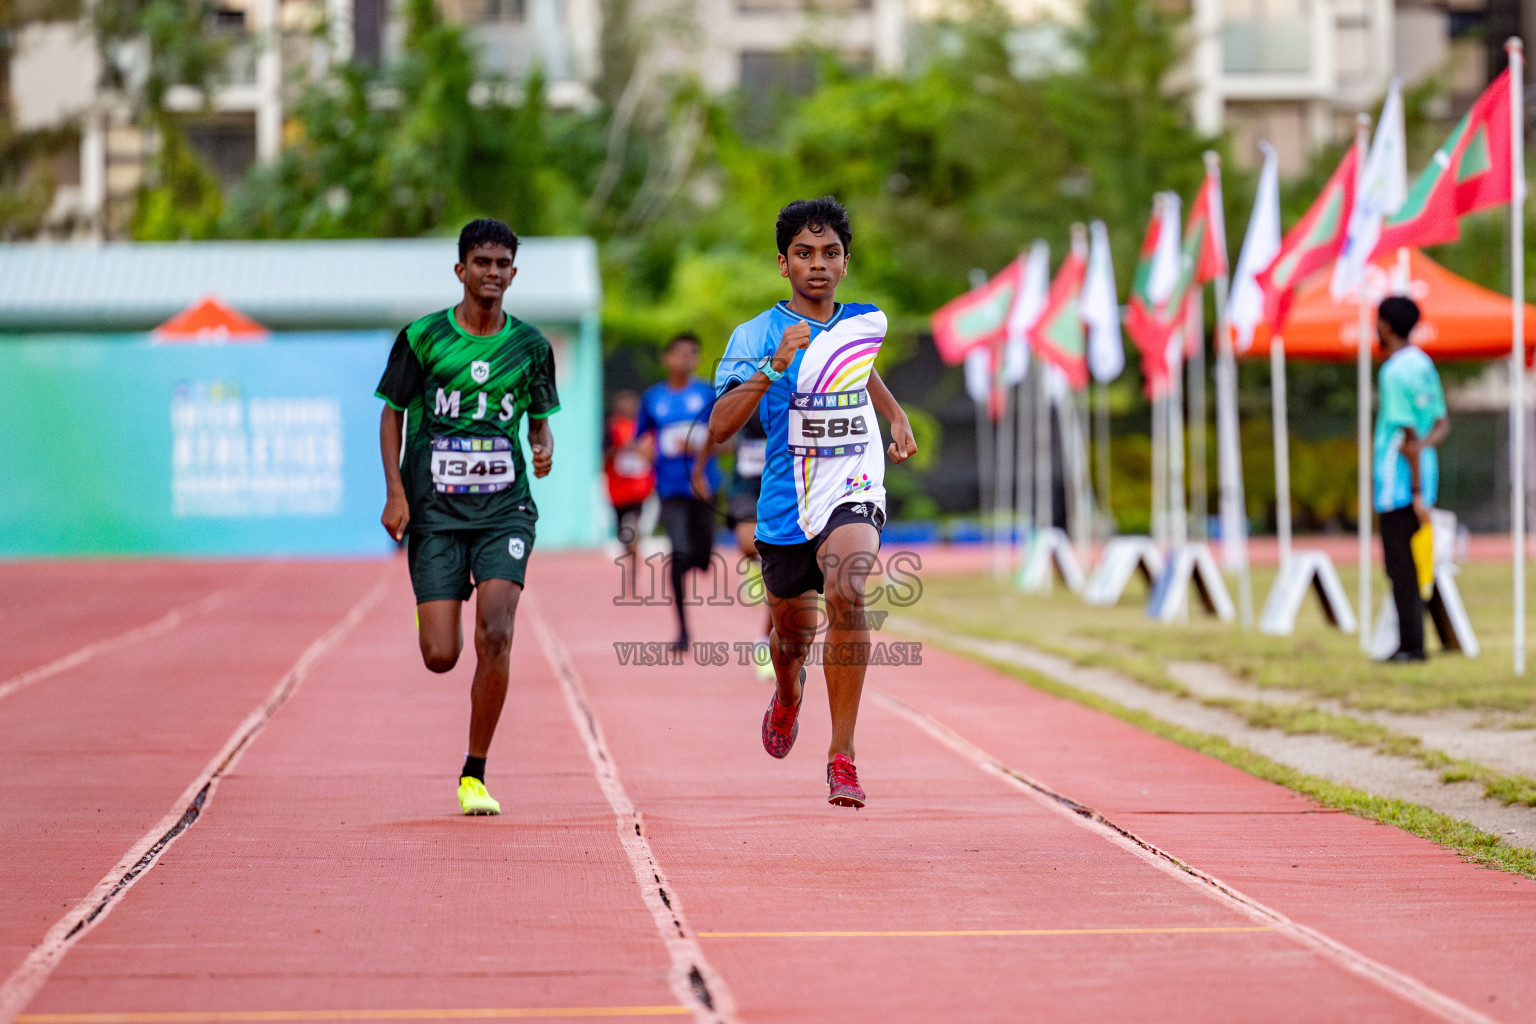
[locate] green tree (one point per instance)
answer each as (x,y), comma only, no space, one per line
(182,198)
(405,149)
(148,47)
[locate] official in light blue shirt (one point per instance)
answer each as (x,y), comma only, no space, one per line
(1410,424)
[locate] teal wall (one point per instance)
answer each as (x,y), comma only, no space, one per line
(113,446)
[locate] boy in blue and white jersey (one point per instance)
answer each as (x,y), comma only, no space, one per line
(808,366)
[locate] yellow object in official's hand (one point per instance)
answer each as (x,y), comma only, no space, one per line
(1422,544)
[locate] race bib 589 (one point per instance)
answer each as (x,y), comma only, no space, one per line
(472,465)
(832,424)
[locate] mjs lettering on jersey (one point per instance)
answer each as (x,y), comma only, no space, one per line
(449,404)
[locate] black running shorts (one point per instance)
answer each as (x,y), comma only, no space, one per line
(790,570)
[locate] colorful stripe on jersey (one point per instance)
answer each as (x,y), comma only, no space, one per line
(850,362)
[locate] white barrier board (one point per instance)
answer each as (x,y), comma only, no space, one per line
(1123,558)
(1192,563)
(1307,570)
(1050,550)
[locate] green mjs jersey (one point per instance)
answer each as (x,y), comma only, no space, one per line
(464,397)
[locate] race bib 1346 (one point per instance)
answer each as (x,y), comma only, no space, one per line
(472,465)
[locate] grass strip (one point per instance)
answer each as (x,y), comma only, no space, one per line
(1294,719)
(1470,842)
(1304,719)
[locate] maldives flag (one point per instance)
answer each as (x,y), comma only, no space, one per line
(978,317)
(1313,243)
(1469,172)
(1058,334)
(1207,229)
(1152,285)
(1203,257)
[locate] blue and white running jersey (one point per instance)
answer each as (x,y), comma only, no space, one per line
(824,445)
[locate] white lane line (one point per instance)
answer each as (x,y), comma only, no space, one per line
(164,624)
(18,989)
(1403,986)
(694,982)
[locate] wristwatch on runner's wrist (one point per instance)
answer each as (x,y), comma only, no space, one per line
(766,368)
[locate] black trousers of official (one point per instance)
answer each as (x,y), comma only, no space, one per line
(1397,529)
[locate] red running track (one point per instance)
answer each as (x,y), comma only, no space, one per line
(328,877)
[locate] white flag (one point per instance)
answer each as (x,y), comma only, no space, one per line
(1100,307)
(1383,187)
(1168,255)
(978,373)
(1245,306)
(1028,304)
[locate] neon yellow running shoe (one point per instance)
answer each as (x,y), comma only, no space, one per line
(765,672)
(474,799)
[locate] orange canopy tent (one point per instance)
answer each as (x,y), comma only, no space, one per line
(1460,320)
(208,320)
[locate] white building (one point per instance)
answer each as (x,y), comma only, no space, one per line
(1292,71)
(272,49)
(1296,72)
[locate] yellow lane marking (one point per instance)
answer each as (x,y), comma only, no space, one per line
(967,934)
(242,1016)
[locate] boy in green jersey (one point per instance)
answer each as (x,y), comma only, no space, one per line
(463,378)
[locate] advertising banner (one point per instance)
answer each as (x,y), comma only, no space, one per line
(117,446)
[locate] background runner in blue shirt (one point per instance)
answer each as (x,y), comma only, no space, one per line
(675,415)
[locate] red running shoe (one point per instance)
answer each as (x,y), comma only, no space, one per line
(782,724)
(843,787)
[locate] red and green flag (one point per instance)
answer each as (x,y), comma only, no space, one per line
(1058,335)
(1207,230)
(978,317)
(1469,172)
(1312,244)
(1152,286)
(1202,257)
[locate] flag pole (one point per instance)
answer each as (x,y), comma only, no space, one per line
(1045,498)
(1178,498)
(1021,507)
(1082,414)
(1282,449)
(1363,409)
(1082,492)
(1516,51)
(984,496)
(1159,471)
(1199,501)
(1002,517)
(1101,416)
(1229,459)
(1178,504)
(1230,503)
(983,463)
